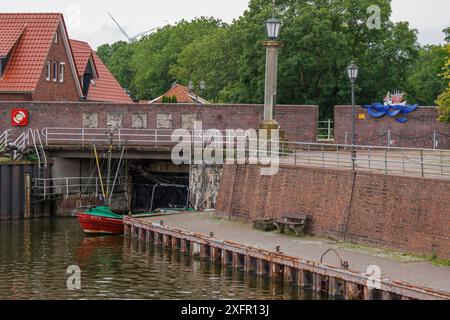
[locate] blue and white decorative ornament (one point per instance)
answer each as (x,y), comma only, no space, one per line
(393,106)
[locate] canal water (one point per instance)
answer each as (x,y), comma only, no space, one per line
(35,255)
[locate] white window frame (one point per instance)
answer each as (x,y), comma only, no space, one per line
(55,71)
(49,70)
(62,67)
(55,39)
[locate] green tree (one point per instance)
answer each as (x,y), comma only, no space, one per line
(157,53)
(118,58)
(447,34)
(424,81)
(443,100)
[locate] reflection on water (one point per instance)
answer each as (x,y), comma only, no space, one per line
(35,254)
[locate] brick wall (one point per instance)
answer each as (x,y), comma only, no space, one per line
(416,133)
(16,97)
(57,91)
(405,213)
(299,122)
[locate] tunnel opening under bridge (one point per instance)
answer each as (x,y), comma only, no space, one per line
(158,185)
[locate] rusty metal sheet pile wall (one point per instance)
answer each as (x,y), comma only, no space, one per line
(12,192)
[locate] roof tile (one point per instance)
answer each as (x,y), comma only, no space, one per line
(35,31)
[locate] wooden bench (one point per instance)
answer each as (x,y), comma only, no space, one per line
(295,222)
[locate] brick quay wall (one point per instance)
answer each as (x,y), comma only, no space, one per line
(405,213)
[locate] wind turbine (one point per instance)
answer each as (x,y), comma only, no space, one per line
(134,38)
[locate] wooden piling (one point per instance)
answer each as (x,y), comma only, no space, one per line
(249,263)
(141,234)
(184,246)
(237,261)
(204,251)
(215,255)
(261,267)
(386,295)
(148,236)
(368,293)
(289,275)
(352,291)
(195,249)
(332,283)
(157,239)
(275,271)
(126,230)
(300,278)
(175,244)
(166,241)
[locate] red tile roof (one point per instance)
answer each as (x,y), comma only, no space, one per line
(28,59)
(106,87)
(82,52)
(182,94)
(8,38)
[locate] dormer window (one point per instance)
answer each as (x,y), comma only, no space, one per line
(48,74)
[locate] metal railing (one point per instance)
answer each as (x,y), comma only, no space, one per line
(384,159)
(5,138)
(87,136)
(325,130)
(20,144)
(403,161)
(435,139)
(52,187)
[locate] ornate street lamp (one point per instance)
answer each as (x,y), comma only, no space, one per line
(273,27)
(352,72)
(202,86)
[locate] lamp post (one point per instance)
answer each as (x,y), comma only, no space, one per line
(273,27)
(352,71)
(202,86)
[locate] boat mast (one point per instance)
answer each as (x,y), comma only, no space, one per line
(99,172)
(111,134)
(117,173)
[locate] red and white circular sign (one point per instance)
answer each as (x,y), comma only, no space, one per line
(19,117)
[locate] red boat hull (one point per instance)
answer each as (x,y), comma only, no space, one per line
(100,225)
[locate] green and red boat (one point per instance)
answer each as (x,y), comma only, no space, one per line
(100,220)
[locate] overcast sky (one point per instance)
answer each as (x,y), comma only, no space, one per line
(88,19)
